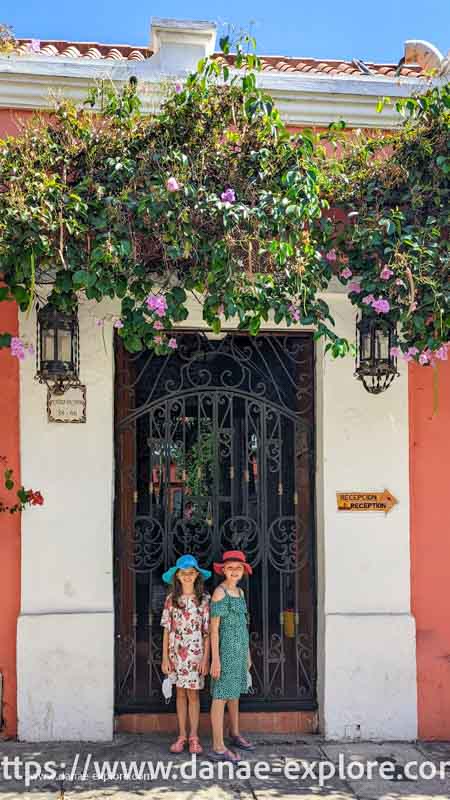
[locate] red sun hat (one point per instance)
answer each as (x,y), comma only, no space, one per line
(232,555)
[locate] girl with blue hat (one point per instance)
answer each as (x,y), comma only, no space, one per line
(185,659)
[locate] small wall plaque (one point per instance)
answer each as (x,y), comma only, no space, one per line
(366,501)
(67,407)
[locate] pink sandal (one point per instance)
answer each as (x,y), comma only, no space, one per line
(178,745)
(194,745)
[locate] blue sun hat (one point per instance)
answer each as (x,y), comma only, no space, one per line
(185,562)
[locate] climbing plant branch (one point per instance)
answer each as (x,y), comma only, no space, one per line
(214,197)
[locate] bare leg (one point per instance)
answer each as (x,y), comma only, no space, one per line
(217,714)
(233,714)
(182,711)
(194,710)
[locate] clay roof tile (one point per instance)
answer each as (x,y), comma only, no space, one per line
(71,52)
(115,53)
(93,52)
(287,64)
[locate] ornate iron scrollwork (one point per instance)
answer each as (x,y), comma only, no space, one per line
(215,451)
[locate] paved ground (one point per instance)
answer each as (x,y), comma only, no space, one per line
(288,768)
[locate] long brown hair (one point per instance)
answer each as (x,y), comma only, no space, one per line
(177,589)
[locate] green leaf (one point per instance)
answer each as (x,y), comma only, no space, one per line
(224,44)
(178,294)
(20,294)
(80,277)
(133,343)
(22,495)
(91,279)
(255,326)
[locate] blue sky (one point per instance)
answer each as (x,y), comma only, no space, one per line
(373,30)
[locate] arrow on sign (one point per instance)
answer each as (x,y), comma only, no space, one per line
(366,501)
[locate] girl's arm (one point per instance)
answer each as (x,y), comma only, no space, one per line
(205,661)
(249,658)
(214,625)
(165,665)
(215,661)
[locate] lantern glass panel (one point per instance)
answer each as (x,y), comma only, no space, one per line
(381,345)
(48,344)
(64,345)
(364,341)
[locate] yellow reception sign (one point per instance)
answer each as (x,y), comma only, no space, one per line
(365,501)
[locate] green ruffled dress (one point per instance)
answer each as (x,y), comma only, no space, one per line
(233,646)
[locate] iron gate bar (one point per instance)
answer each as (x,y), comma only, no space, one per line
(246,407)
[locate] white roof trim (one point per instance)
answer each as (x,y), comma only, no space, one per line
(29,82)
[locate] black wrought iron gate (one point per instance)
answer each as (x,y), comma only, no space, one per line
(214,451)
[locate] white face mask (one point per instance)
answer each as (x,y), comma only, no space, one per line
(167,688)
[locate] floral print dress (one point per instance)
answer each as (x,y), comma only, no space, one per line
(187,625)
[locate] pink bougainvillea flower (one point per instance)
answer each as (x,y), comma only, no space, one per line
(331,255)
(386,273)
(368,299)
(17,348)
(118,323)
(399,282)
(158,325)
(228,196)
(178,88)
(294,312)
(424,358)
(441,353)
(354,286)
(157,303)
(395,352)
(172,185)
(158,340)
(346,272)
(381,306)
(172,343)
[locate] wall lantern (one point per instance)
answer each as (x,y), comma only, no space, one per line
(57,348)
(375,366)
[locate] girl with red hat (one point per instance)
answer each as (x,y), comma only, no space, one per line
(230,653)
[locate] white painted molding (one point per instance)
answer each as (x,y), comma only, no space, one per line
(178,45)
(29,82)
